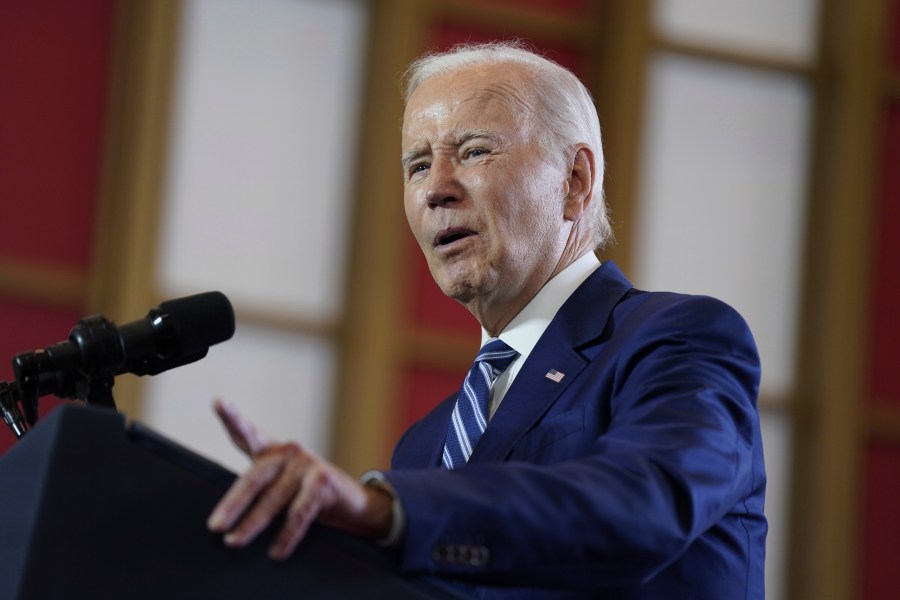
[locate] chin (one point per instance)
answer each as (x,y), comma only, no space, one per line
(458,288)
(461,284)
(459,291)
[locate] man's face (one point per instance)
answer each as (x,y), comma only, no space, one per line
(483,198)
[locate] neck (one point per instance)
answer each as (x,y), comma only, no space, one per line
(495,317)
(495,313)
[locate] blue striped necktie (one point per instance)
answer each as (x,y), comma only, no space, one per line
(469,418)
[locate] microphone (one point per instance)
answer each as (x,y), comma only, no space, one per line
(177,332)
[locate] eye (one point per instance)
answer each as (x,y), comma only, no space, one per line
(418,168)
(474,153)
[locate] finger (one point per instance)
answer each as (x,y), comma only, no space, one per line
(241,431)
(271,499)
(231,420)
(244,491)
(315,492)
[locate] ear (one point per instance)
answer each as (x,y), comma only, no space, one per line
(580,183)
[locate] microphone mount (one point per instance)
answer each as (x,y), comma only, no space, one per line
(77,369)
(9,399)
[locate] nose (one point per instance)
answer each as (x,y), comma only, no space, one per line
(444,187)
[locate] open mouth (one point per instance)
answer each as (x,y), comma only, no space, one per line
(449,236)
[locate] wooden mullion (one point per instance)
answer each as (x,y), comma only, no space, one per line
(882,422)
(63,287)
(122,283)
(825,506)
(440,350)
(891,85)
(369,335)
(620,95)
(523,20)
(747,59)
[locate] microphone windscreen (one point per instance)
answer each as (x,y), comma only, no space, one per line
(199,321)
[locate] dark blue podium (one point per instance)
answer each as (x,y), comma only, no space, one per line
(90,509)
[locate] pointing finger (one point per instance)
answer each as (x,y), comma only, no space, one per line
(241,431)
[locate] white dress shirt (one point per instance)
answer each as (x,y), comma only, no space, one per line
(524,331)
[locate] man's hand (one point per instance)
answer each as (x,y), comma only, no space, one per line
(288,479)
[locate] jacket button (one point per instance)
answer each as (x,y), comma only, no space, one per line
(479,556)
(461,554)
(440,553)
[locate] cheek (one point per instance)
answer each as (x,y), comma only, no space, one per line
(409,203)
(528,206)
(413,216)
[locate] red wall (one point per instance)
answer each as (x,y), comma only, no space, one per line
(879,558)
(54,69)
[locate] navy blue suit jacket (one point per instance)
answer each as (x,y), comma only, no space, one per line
(639,475)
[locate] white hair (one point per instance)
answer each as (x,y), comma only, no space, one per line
(568,118)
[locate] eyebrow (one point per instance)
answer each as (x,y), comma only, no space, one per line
(470,134)
(411,156)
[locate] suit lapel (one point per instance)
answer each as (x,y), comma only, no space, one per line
(581,319)
(422,445)
(528,399)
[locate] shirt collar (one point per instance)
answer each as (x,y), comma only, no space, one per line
(526,328)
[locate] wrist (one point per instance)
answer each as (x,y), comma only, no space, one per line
(391,526)
(379,509)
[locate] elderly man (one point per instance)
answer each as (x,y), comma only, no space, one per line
(606,441)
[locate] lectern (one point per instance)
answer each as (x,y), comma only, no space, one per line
(90,509)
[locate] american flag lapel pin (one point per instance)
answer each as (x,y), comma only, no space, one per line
(554,375)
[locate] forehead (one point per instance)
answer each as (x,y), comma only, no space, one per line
(471,96)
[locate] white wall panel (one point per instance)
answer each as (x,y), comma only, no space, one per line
(278,380)
(258,185)
(785,28)
(723,196)
(262,152)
